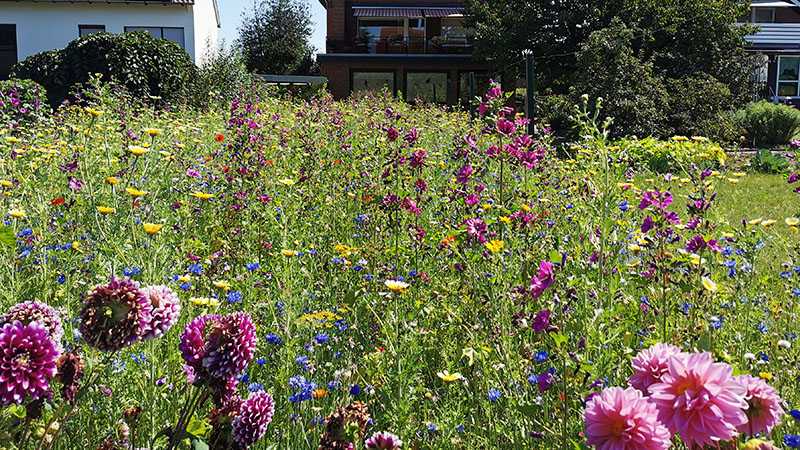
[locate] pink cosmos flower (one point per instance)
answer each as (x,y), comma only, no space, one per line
(620,419)
(700,400)
(650,364)
(764,410)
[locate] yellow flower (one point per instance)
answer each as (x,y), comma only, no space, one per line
(105,209)
(288,252)
(680,138)
(202,195)
(699,139)
(739,174)
(112,180)
(152,131)
(152,228)
(184,278)
(13,140)
(396,286)
(5,183)
(204,301)
(135,192)
(449,377)
(709,285)
(94,112)
(727,235)
(505,219)
(18,213)
(222,285)
(138,151)
(765,375)
(792,221)
(768,223)
(495,245)
(733,180)
(755,221)
(286,182)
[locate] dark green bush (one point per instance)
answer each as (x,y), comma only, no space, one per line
(222,75)
(700,106)
(768,124)
(764,161)
(21,102)
(143,64)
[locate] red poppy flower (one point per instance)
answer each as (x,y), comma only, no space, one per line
(220,138)
(57,201)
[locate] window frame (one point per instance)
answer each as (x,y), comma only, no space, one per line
(753,15)
(102,29)
(399,19)
(392,71)
(448,101)
(778,80)
(161,30)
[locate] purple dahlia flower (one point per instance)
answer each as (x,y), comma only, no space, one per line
(27,361)
(27,312)
(220,347)
(383,441)
(114,315)
(165,313)
(254,417)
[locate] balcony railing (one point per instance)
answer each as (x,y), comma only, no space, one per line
(776,34)
(403,46)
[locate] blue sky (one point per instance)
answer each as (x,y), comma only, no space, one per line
(230,12)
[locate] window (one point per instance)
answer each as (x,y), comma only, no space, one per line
(481,86)
(171,34)
(453,29)
(8,48)
(392,35)
(365,80)
(763,15)
(85,30)
(788,76)
(428,86)
(380,29)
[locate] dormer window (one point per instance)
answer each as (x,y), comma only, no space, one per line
(763,15)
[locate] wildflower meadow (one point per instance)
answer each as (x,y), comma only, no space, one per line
(281,273)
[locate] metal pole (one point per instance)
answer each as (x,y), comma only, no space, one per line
(471,95)
(529,91)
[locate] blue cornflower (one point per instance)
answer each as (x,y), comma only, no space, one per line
(333,385)
(297,381)
(460,428)
(131,271)
(623,205)
(261,361)
(795,413)
(321,338)
(234,297)
(494,395)
(273,339)
(244,378)
(786,274)
(186,286)
(791,440)
(796,292)
(533,379)
(195,269)
(255,387)
(302,360)
(252,266)
(762,328)
(355,390)
(432,427)
(118,366)
(541,356)
(62,279)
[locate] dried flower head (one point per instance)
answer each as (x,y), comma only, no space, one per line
(114,315)
(70,372)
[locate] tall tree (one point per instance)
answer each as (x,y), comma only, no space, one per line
(274,37)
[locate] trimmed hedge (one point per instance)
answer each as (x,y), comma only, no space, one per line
(143,64)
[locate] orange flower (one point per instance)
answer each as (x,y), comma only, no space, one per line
(448,240)
(219,138)
(318,393)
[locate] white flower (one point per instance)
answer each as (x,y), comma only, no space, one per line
(784,344)
(749,356)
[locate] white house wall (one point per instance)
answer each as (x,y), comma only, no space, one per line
(206,28)
(43,26)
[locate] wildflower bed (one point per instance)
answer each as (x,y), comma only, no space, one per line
(287,274)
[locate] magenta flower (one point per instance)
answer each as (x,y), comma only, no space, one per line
(620,419)
(794,177)
(472,199)
(543,280)
(392,134)
(657,199)
(505,127)
(253,418)
(383,441)
(541,321)
(463,174)
(764,405)
(475,226)
(417,159)
(27,312)
(700,400)
(493,93)
(220,347)
(165,313)
(27,362)
(647,225)
(697,244)
(650,364)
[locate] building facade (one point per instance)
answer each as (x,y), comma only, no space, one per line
(420,49)
(33,26)
(778,40)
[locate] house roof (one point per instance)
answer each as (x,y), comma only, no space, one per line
(146,2)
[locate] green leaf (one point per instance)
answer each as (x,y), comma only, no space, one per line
(559,339)
(555,256)
(527,409)
(7,237)
(197,428)
(197,444)
(469,353)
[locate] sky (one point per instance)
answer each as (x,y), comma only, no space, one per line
(230,12)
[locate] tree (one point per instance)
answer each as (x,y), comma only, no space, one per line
(274,37)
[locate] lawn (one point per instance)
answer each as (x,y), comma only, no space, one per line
(291,274)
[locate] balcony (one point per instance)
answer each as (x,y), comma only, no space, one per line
(404,46)
(773,35)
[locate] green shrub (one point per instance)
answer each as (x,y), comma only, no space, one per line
(764,161)
(700,106)
(22,102)
(768,124)
(221,75)
(675,154)
(143,64)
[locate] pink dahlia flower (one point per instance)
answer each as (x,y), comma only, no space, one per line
(699,399)
(192,341)
(27,361)
(764,405)
(165,313)
(650,364)
(383,441)
(220,347)
(620,419)
(253,418)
